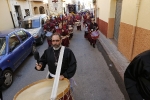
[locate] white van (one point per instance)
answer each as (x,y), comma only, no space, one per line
(34,24)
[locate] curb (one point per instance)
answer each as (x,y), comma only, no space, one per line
(116,57)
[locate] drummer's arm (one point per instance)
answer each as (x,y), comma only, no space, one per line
(42,61)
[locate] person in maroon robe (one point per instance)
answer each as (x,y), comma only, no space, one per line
(65,24)
(70,27)
(47,29)
(58,19)
(64,34)
(47,26)
(87,23)
(52,27)
(78,20)
(84,18)
(93,36)
(70,21)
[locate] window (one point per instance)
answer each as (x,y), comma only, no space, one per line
(27,12)
(22,35)
(2,46)
(13,42)
(31,24)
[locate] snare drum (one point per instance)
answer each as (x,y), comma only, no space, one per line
(78,23)
(41,90)
(95,35)
(70,27)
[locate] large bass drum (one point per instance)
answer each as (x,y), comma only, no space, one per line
(41,90)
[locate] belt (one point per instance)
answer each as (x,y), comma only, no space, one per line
(52,75)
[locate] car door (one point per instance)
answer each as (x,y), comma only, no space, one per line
(15,50)
(25,43)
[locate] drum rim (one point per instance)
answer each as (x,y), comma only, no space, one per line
(59,96)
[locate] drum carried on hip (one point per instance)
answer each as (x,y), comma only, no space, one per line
(41,90)
(78,23)
(95,35)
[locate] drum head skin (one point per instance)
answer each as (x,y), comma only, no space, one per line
(48,34)
(41,90)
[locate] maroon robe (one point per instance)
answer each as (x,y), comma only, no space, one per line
(47,27)
(78,17)
(65,41)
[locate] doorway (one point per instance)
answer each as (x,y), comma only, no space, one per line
(18,12)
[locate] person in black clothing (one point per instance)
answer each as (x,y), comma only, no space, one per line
(51,55)
(137,77)
(2,79)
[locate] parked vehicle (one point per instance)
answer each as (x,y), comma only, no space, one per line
(34,24)
(15,46)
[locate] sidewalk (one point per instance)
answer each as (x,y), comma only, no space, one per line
(117,58)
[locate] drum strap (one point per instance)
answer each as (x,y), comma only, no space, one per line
(56,80)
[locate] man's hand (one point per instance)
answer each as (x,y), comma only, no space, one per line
(61,77)
(38,66)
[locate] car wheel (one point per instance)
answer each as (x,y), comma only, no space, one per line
(41,40)
(8,78)
(33,49)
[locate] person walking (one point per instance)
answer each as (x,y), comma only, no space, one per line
(51,55)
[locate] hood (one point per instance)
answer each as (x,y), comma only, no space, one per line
(33,31)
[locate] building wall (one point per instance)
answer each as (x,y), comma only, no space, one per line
(134,35)
(111,19)
(23,5)
(103,14)
(5,17)
(38,4)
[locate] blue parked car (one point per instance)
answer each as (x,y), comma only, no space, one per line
(15,46)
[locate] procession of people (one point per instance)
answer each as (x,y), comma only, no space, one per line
(65,24)
(58,57)
(59,31)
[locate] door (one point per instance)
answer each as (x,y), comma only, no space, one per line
(18,13)
(15,51)
(117,19)
(25,43)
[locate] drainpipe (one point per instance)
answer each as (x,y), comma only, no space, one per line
(11,14)
(134,27)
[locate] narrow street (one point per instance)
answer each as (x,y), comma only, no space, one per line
(93,76)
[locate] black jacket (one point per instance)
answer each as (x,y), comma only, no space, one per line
(69,63)
(137,77)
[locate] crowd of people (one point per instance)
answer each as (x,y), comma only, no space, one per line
(62,25)
(65,24)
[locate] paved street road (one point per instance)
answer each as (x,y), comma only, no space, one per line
(93,76)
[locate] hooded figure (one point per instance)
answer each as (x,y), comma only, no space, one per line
(137,77)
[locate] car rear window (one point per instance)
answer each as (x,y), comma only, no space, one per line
(2,46)
(31,24)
